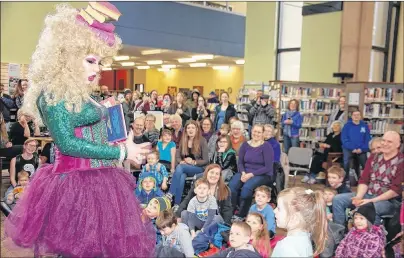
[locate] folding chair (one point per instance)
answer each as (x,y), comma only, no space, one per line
(300,157)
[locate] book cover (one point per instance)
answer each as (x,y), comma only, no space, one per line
(109,102)
(116,127)
(89,20)
(97,15)
(107,9)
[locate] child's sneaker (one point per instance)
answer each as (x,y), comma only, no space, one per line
(312,181)
(305,179)
(211,251)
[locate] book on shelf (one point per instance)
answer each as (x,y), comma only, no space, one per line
(384,94)
(308,92)
(381,126)
(311,105)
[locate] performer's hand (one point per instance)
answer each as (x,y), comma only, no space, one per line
(137,152)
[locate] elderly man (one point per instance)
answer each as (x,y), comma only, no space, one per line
(380,182)
(176,124)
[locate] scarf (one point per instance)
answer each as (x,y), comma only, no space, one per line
(287,129)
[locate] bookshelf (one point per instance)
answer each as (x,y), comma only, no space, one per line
(316,102)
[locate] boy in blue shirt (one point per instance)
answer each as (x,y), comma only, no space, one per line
(262,198)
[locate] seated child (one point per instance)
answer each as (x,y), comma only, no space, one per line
(224,130)
(153,210)
(202,208)
(175,235)
(329,194)
(335,177)
(364,239)
(262,198)
(147,188)
(15,194)
(166,148)
(259,234)
(157,169)
(240,236)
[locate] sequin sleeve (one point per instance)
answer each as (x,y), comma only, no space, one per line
(61,126)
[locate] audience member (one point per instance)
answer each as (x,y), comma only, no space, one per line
(224,130)
(365,239)
(27,161)
(147,188)
(22,182)
(175,236)
(157,169)
(153,101)
(223,111)
(138,128)
(375,145)
(270,137)
(167,150)
(259,233)
(255,166)
(200,111)
(21,89)
(212,98)
(21,131)
(176,124)
(329,194)
(337,114)
(6,103)
(4,141)
(335,177)
(180,108)
(137,100)
(151,132)
(302,213)
(237,136)
(126,106)
(380,182)
(355,138)
(291,123)
(202,208)
(191,156)
(225,157)
(207,128)
(153,210)
(167,101)
(47,155)
(192,101)
(104,92)
(262,198)
(217,188)
(262,112)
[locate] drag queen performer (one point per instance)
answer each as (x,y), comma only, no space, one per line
(82,205)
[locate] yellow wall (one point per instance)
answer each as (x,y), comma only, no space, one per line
(320,49)
(188,77)
(21,24)
(260,42)
(398,74)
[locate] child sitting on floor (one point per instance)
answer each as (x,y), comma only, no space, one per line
(259,233)
(153,210)
(329,194)
(157,169)
(175,235)
(364,239)
(202,209)
(240,236)
(335,177)
(167,149)
(147,188)
(15,194)
(302,213)
(262,198)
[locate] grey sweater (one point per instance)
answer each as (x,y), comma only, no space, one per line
(180,239)
(262,115)
(202,158)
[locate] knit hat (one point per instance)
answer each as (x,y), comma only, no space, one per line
(143,176)
(368,211)
(212,93)
(164,203)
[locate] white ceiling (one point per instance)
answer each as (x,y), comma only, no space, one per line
(169,57)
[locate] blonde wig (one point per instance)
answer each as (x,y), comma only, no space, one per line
(57,64)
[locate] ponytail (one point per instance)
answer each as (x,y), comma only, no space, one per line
(320,228)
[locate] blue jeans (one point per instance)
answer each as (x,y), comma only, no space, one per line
(182,171)
(343,201)
(289,142)
(348,155)
(245,191)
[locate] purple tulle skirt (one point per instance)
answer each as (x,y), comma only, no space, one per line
(86,213)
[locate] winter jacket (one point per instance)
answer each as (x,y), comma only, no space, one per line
(335,235)
(230,112)
(355,136)
(225,207)
(233,253)
(297,119)
(362,243)
(262,114)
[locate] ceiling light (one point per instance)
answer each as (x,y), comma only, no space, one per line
(152,51)
(107,69)
(221,67)
(121,58)
(198,65)
(202,57)
(240,62)
(186,60)
(154,62)
(163,69)
(168,66)
(128,63)
(143,67)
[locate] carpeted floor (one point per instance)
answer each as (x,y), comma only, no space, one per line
(8,253)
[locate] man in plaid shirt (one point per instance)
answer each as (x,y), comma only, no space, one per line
(380,182)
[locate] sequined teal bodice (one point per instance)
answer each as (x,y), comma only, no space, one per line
(81,134)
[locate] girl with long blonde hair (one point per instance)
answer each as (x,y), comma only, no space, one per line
(260,234)
(192,157)
(303,214)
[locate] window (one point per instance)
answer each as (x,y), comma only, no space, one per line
(289,40)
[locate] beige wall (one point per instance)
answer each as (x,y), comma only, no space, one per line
(321,35)
(260,43)
(398,74)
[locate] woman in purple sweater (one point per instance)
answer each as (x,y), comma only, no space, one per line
(255,166)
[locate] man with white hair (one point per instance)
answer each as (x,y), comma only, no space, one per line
(380,182)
